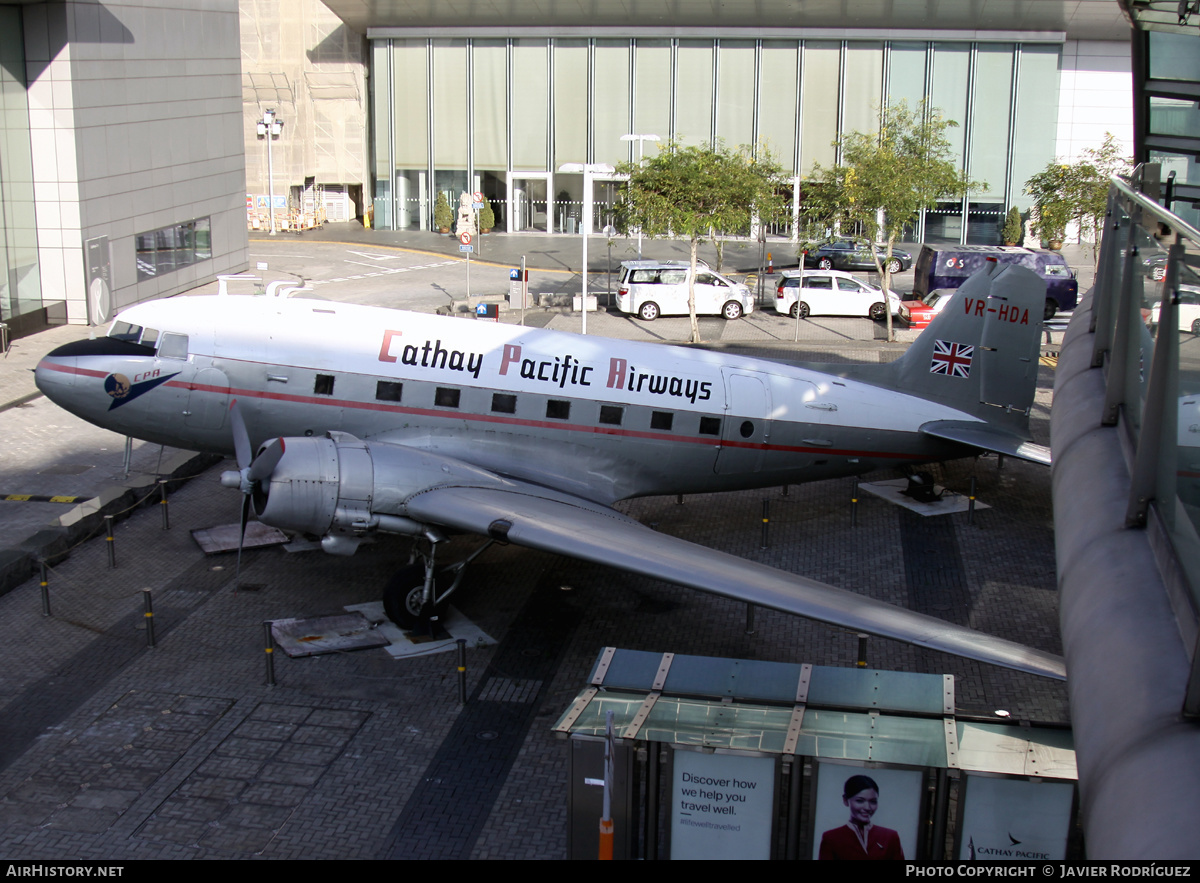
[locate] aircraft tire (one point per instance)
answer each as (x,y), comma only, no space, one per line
(402,597)
(648,312)
(732,310)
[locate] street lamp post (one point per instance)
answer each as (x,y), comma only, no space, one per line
(269,128)
(589,170)
(641,140)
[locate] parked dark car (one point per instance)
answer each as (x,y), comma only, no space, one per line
(949,266)
(850,254)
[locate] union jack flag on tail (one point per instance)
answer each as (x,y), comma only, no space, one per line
(951,359)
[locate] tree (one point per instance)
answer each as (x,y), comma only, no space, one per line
(1014,227)
(695,192)
(887,177)
(1078,191)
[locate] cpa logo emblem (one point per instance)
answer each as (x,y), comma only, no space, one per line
(116,385)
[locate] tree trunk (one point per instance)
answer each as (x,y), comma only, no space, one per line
(692,292)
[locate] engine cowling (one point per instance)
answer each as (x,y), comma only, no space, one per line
(343,488)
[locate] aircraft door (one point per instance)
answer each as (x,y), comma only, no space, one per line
(747,423)
(208,399)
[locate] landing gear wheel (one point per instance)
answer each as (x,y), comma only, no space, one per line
(878,312)
(825,263)
(402,598)
(1050,310)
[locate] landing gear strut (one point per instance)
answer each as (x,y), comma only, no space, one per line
(416,596)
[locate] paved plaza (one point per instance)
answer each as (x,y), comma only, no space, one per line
(113,750)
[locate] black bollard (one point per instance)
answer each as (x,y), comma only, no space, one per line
(162,501)
(149,615)
(45,587)
(270,651)
(462,671)
(112,549)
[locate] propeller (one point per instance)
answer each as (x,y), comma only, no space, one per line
(252,471)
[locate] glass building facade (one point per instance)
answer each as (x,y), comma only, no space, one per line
(503,115)
(20,281)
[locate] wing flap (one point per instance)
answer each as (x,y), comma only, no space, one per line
(988,438)
(607,537)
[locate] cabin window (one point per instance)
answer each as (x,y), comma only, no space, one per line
(710,425)
(388,390)
(446,397)
(661,419)
(504,403)
(173,346)
(323,385)
(611,415)
(557,409)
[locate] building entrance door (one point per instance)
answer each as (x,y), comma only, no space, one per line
(528,209)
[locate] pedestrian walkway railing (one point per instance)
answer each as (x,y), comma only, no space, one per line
(1146,320)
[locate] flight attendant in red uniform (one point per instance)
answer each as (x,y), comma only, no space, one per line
(858,838)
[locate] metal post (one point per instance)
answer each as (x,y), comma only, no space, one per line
(749,618)
(45,587)
(524,289)
(862,650)
(162,490)
(112,551)
(269,649)
(854,505)
(462,670)
(766,521)
(148,613)
(971,503)
(128,454)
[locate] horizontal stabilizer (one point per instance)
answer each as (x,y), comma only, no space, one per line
(988,438)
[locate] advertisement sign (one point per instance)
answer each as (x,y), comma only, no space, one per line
(722,806)
(866,813)
(1015,819)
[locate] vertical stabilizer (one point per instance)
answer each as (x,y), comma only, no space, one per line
(980,355)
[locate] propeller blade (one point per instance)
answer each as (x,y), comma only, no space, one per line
(241,438)
(237,574)
(266,461)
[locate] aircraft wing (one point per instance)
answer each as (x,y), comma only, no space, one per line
(604,536)
(988,438)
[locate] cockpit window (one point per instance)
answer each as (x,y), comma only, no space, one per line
(173,346)
(125,331)
(149,336)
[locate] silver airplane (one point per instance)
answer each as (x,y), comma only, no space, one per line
(370,421)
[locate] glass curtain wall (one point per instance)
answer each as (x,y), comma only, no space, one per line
(504,115)
(20,279)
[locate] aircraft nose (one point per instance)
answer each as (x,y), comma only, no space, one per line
(55,375)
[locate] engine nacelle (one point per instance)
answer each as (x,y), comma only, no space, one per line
(342,488)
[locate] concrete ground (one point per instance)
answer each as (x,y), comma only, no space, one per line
(111,750)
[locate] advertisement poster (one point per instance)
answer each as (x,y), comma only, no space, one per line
(866,813)
(722,806)
(1014,819)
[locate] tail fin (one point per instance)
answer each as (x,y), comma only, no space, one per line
(980,355)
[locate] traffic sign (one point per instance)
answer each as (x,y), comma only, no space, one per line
(478,196)
(464,238)
(466,248)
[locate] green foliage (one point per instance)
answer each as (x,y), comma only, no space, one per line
(694,192)
(1078,191)
(1014,227)
(443,217)
(487,215)
(887,177)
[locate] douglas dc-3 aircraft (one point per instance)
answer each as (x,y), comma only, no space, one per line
(371,420)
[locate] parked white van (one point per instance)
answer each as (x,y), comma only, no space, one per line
(660,288)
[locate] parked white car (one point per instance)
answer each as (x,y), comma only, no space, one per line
(650,289)
(831,293)
(1189,309)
